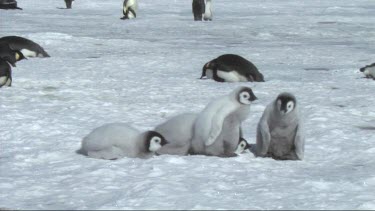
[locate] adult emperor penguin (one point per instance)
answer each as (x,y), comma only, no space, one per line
(231,68)
(198,9)
(5,73)
(369,71)
(129,9)
(9,4)
(10,55)
(26,46)
(68,4)
(116,140)
(217,127)
(208,12)
(280,131)
(178,130)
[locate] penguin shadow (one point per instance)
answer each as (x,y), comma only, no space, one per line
(316,69)
(63,8)
(366,127)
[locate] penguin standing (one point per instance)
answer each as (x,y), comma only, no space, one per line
(129,9)
(217,128)
(198,9)
(178,130)
(8,58)
(208,12)
(369,71)
(280,132)
(9,4)
(231,68)
(68,4)
(5,73)
(116,140)
(26,46)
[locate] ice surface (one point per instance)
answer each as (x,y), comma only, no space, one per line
(103,69)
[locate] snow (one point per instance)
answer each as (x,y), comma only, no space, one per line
(144,71)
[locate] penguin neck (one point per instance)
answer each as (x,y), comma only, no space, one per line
(144,144)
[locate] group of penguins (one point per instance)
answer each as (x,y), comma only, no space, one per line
(215,131)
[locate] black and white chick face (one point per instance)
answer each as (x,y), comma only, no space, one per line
(285,103)
(155,141)
(246,96)
(242,146)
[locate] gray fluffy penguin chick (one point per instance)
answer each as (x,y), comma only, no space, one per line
(217,128)
(178,130)
(116,140)
(280,131)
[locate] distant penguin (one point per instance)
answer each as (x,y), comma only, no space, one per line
(242,146)
(178,130)
(26,46)
(208,12)
(116,140)
(198,9)
(231,68)
(217,128)
(280,131)
(9,4)
(5,73)
(69,4)
(10,55)
(369,71)
(129,9)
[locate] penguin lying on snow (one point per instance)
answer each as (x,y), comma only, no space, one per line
(217,129)
(369,71)
(280,132)
(129,9)
(116,140)
(26,46)
(9,4)
(231,68)
(178,130)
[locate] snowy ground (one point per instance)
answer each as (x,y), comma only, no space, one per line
(146,70)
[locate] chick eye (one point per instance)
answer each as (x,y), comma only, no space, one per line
(242,145)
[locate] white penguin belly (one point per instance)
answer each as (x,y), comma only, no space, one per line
(3,80)
(370,72)
(231,76)
(28,53)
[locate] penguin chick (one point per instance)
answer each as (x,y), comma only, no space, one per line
(217,128)
(116,140)
(280,131)
(231,68)
(242,146)
(178,130)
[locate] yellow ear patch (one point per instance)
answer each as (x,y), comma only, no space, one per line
(18,56)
